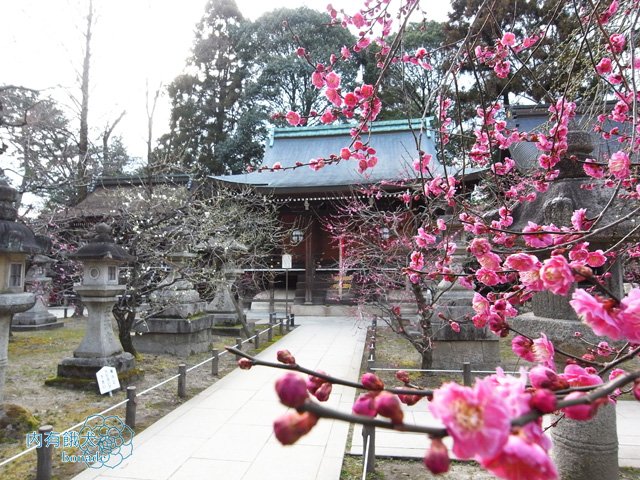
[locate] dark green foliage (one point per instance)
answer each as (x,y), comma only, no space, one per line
(281,80)
(549,67)
(408,90)
(205,100)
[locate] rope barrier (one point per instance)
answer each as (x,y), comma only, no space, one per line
(124,402)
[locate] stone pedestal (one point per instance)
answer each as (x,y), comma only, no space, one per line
(99,347)
(477,346)
(37,317)
(223,307)
(178,323)
(587,450)
(10,303)
(16,242)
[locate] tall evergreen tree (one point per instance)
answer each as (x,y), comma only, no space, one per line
(406,89)
(546,74)
(281,79)
(205,100)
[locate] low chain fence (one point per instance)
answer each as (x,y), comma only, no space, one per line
(44,451)
(369,432)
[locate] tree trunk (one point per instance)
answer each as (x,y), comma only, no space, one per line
(82,186)
(427,359)
(125,320)
(425,312)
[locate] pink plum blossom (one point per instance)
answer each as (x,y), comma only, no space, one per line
(437,457)
(619,164)
(323,392)
(521,459)
(584,411)
(578,376)
(508,39)
(544,377)
(293,118)
(284,356)
(597,314)
(604,66)
(617,42)
(424,239)
(556,275)
(332,79)
(365,405)
(388,405)
(371,381)
(522,262)
(475,418)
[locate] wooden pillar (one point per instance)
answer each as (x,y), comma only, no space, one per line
(309,265)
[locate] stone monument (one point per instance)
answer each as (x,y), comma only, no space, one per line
(37,317)
(478,346)
(178,323)
(100,260)
(16,242)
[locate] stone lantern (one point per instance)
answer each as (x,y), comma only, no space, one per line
(223,306)
(101,260)
(553,314)
(37,282)
(17,241)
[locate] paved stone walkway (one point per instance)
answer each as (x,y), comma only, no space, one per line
(225,432)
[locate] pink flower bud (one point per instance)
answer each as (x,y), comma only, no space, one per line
(409,399)
(388,406)
(323,392)
(437,457)
(245,364)
(371,381)
(543,400)
(403,376)
(292,390)
(365,405)
(293,425)
(284,356)
(314,383)
(455,326)
(579,412)
(636,389)
(544,377)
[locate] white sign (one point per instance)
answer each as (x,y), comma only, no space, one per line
(107,380)
(286,261)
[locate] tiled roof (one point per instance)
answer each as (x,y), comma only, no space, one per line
(395,143)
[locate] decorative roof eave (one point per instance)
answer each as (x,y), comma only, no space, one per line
(384,126)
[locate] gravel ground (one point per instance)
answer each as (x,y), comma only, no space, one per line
(33,357)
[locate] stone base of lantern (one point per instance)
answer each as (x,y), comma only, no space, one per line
(451,349)
(80,372)
(224,318)
(583,450)
(35,320)
(176,336)
(478,346)
(561,332)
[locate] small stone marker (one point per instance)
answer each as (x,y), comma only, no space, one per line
(107,380)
